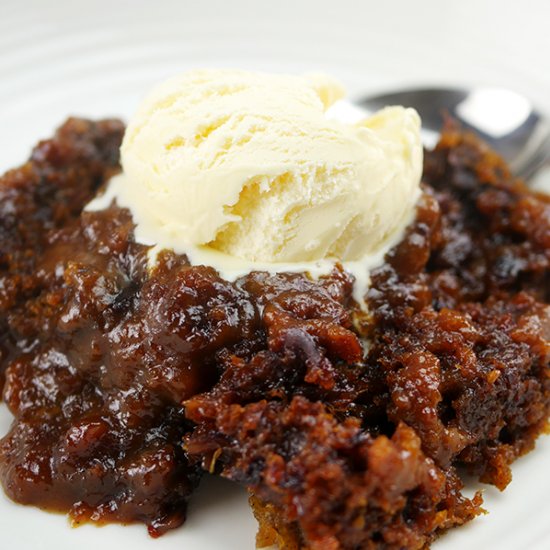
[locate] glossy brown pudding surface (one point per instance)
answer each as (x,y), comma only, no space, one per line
(127,383)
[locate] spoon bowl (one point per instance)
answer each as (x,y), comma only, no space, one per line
(506,120)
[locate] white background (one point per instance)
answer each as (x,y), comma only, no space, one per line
(97,58)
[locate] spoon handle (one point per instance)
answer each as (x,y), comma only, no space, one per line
(541,180)
(538,159)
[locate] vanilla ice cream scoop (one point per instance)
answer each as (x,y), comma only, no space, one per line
(250,165)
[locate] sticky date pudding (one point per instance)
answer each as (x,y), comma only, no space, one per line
(126,383)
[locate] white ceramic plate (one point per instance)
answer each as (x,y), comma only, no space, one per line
(97,58)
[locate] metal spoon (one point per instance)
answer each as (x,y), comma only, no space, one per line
(506,120)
